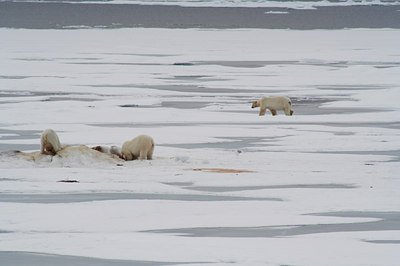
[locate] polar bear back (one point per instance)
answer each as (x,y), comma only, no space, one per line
(276,103)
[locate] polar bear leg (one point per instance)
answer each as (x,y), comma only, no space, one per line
(42,148)
(143,154)
(288,111)
(150,154)
(44,143)
(262,111)
(273,112)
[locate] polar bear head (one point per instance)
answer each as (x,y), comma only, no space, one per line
(255,104)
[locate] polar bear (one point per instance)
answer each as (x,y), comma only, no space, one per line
(141,147)
(274,104)
(49,142)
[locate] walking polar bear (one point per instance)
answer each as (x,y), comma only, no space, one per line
(141,148)
(274,104)
(49,142)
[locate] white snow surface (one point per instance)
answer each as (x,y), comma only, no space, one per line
(333,165)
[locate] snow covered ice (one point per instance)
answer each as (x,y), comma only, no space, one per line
(322,186)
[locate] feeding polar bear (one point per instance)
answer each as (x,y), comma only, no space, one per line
(141,148)
(274,104)
(49,142)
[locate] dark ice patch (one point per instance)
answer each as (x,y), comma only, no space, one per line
(290,186)
(383,241)
(86,197)
(22,258)
(388,221)
(129,105)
